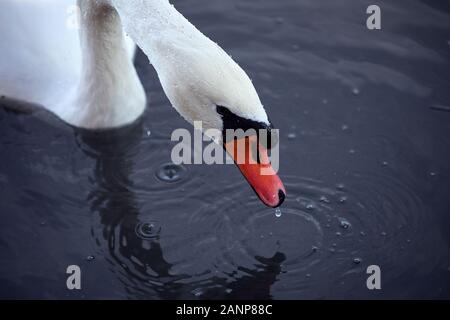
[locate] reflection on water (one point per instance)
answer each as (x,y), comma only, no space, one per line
(132,239)
(363,156)
(229,247)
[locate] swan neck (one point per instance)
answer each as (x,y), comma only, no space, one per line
(109,92)
(150,21)
(101,36)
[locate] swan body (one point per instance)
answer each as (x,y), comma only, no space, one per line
(88,81)
(87,77)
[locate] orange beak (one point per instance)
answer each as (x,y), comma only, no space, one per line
(253,160)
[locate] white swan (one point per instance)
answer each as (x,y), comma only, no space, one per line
(87,78)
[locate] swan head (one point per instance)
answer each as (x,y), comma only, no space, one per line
(205,84)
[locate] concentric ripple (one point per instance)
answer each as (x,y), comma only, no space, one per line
(324,235)
(170,172)
(182,232)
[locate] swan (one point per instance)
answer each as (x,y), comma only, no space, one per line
(86,77)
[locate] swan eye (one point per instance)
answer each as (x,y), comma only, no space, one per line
(232,121)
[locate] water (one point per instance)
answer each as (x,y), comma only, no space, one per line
(147,230)
(375,192)
(170,172)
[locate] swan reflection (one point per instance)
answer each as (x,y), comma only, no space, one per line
(132,240)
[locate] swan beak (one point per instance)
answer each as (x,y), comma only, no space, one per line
(253,161)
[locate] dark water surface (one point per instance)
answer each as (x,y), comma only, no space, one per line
(365,156)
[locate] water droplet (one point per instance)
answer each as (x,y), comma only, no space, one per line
(432,174)
(43,224)
(355,91)
(362,233)
(344,127)
(357,260)
(338,234)
(384,163)
(334,245)
(324,199)
(309,206)
(351,151)
(229,290)
(197,292)
(314,249)
(383,234)
(147,230)
(291,136)
(340,186)
(344,223)
(342,199)
(408,240)
(148,133)
(277,212)
(332,250)
(90,258)
(170,172)
(308,275)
